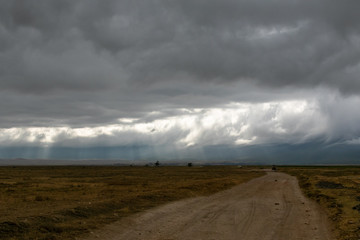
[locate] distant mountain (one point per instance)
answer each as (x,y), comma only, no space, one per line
(308,153)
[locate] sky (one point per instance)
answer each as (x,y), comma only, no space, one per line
(273,81)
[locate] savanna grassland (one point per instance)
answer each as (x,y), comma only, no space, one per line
(67,202)
(337,190)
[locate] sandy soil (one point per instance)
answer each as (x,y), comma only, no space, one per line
(269,207)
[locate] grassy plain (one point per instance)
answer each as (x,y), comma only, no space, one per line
(337,189)
(66,202)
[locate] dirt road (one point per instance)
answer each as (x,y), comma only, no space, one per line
(269,207)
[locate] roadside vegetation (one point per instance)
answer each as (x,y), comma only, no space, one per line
(337,190)
(67,202)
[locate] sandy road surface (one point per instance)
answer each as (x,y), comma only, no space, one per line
(269,207)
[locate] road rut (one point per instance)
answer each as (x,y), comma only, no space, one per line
(271,207)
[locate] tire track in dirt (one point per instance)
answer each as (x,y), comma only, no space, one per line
(249,220)
(271,207)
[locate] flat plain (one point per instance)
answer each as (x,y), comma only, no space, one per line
(69,202)
(337,190)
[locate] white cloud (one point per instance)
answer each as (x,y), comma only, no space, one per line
(234,123)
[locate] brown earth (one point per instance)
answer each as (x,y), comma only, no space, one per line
(269,207)
(66,202)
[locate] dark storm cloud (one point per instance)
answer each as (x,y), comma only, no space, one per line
(89,63)
(97,44)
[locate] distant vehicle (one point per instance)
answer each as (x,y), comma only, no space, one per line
(273,168)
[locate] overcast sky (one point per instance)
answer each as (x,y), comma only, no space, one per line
(178,75)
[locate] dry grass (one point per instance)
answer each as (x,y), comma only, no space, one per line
(337,189)
(66,202)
